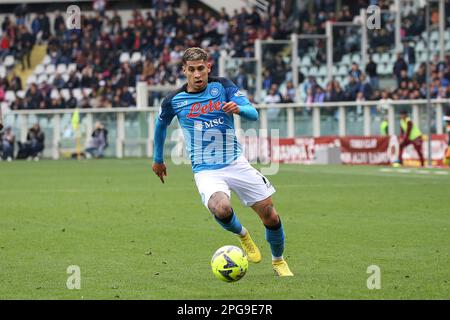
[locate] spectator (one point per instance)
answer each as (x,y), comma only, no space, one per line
(99,6)
(289,96)
(34,98)
(310,95)
(222,29)
(71,103)
(99,141)
(319,95)
(339,94)
(21,12)
(73,81)
(45,26)
(273,97)
(126,98)
(308,87)
(7,139)
(351,89)
(2,93)
(160,35)
(58,81)
(410,55)
(34,145)
(267,80)
(365,87)
(371,71)
(4,46)
(36,28)
(420,76)
(58,23)
(355,72)
(241,79)
(25,47)
(15,83)
(253,19)
(399,65)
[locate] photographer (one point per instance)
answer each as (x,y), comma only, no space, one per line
(99,141)
(34,144)
(7,139)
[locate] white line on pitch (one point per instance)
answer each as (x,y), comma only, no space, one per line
(413,171)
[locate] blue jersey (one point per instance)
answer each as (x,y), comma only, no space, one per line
(208,131)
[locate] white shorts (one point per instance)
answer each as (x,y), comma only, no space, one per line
(248,183)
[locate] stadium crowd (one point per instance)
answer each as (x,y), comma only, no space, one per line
(160,36)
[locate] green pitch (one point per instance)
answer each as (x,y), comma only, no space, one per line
(135,238)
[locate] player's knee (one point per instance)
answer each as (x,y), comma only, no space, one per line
(269,215)
(222,210)
(220,206)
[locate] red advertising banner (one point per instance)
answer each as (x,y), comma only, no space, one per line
(375,150)
(299,150)
(369,150)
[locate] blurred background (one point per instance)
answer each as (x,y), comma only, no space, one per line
(313,68)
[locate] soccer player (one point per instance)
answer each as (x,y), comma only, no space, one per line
(204,107)
(410,134)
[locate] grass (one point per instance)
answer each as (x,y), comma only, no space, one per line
(135,238)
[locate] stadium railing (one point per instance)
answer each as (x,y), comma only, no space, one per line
(131,129)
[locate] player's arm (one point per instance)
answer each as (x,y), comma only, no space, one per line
(159,168)
(162,122)
(237,102)
(246,111)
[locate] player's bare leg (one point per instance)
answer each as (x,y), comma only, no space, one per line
(220,206)
(274,235)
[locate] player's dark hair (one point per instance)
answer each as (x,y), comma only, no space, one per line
(193,54)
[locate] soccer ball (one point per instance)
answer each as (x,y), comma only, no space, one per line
(229,263)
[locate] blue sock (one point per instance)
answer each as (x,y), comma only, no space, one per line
(231,223)
(275,237)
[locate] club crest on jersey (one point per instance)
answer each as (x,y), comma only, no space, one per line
(197,109)
(214,92)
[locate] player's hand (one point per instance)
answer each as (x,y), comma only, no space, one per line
(160,170)
(231,107)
